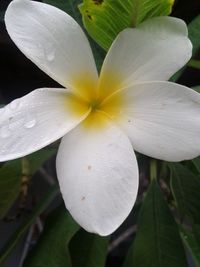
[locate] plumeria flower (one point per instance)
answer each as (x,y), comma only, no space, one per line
(130,105)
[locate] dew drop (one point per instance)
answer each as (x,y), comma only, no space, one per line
(30,124)
(50,55)
(5,131)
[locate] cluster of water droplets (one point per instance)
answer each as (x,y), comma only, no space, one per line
(14,119)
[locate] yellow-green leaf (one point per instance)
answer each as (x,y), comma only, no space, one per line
(104,19)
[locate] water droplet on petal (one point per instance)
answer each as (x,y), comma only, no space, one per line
(50,55)
(30,124)
(5,131)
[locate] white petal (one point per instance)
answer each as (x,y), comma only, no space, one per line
(51,39)
(36,120)
(162,119)
(98,176)
(154,50)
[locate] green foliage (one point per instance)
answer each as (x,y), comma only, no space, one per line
(104,19)
(37,159)
(192,242)
(157,242)
(10,181)
(194,34)
(88,250)
(11,176)
(197,89)
(21,231)
(186,191)
(52,248)
(196,161)
(194,64)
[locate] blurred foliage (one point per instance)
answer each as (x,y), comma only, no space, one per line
(88,250)
(104,19)
(21,231)
(191,239)
(185,187)
(157,242)
(54,241)
(10,182)
(11,175)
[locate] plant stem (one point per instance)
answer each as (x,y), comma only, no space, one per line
(153,169)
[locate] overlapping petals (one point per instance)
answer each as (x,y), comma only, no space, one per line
(96,165)
(155,50)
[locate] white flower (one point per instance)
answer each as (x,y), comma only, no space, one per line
(101,119)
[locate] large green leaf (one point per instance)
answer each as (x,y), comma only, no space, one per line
(194,35)
(104,19)
(10,181)
(196,161)
(52,248)
(11,177)
(157,241)
(186,191)
(192,242)
(88,250)
(37,159)
(21,231)
(71,7)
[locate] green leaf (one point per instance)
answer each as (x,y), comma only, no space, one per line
(157,241)
(186,191)
(11,177)
(192,242)
(88,250)
(37,159)
(71,8)
(10,181)
(197,89)
(196,161)
(194,35)
(104,19)
(52,248)
(194,63)
(21,231)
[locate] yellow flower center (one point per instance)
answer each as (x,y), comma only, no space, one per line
(99,96)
